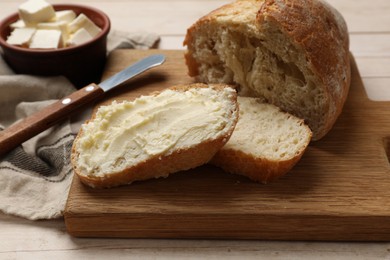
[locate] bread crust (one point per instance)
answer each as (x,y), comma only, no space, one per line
(165,164)
(260,170)
(315,28)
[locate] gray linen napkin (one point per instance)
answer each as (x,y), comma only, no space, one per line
(35,177)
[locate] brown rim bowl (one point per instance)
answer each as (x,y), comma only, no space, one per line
(81,64)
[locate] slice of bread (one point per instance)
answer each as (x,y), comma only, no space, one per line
(265,144)
(153,136)
(293,54)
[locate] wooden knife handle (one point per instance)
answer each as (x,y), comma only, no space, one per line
(38,122)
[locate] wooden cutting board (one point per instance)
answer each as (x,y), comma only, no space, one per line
(340,190)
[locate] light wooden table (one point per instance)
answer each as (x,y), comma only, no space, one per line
(369,26)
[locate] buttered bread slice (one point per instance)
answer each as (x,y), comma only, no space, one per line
(153,136)
(266,142)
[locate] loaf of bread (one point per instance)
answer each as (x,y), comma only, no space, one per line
(293,54)
(153,136)
(265,144)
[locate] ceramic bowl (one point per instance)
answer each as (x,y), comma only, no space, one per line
(81,64)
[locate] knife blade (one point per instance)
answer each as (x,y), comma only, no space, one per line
(38,122)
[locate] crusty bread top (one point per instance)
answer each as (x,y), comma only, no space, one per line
(123,135)
(294,54)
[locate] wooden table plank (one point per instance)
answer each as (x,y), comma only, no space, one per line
(175,17)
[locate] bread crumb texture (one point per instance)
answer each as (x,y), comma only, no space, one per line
(266,142)
(265,131)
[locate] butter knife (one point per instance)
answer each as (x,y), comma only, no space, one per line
(38,122)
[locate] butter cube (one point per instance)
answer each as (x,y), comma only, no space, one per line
(65,16)
(21,36)
(79,37)
(82,21)
(45,28)
(18,24)
(61,26)
(46,39)
(36,11)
